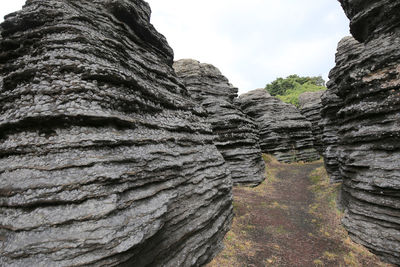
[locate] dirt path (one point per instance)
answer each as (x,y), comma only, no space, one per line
(281,219)
(275,226)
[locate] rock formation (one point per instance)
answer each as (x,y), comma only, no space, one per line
(284,132)
(310,108)
(348,48)
(366,83)
(330,126)
(104,159)
(370,19)
(237,135)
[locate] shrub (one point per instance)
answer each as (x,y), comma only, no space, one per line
(289,89)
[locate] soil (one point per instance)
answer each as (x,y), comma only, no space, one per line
(289,221)
(273,226)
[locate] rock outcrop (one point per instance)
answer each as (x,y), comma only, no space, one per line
(366,82)
(310,108)
(370,19)
(104,158)
(348,48)
(237,135)
(284,132)
(330,127)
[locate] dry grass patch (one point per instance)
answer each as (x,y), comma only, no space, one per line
(253,243)
(328,217)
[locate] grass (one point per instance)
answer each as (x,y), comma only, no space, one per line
(327,217)
(239,244)
(318,263)
(276,230)
(236,245)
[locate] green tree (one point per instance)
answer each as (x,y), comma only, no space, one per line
(288,89)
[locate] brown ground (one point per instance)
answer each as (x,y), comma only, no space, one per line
(290,220)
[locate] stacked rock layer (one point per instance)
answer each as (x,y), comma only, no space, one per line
(348,48)
(104,159)
(366,82)
(310,107)
(237,135)
(284,132)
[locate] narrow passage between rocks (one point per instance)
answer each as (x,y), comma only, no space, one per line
(290,220)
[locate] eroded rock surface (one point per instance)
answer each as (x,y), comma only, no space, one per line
(370,19)
(104,159)
(366,83)
(284,132)
(310,107)
(331,104)
(237,135)
(348,48)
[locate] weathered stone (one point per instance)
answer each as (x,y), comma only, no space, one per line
(104,158)
(310,108)
(366,83)
(284,132)
(371,18)
(348,48)
(237,135)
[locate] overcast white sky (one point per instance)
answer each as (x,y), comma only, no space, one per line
(252,42)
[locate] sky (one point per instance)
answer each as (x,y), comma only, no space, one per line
(252,42)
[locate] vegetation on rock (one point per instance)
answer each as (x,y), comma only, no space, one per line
(290,88)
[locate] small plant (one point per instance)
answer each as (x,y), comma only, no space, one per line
(329,256)
(276,205)
(318,262)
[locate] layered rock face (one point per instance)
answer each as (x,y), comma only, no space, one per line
(284,132)
(237,135)
(104,159)
(330,125)
(348,48)
(310,108)
(366,82)
(370,19)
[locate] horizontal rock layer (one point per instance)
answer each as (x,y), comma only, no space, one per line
(364,105)
(237,135)
(348,48)
(104,159)
(284,132)
(310,108)
(371,18)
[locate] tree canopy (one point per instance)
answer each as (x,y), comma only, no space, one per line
(288,89)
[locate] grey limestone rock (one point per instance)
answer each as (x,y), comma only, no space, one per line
(371,18)
(348,48)
(366,83)
(237,135)
(104,158)
(284,132)
(310,107)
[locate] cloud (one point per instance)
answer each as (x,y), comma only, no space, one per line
(8,7)
(251,42)
(256,42)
